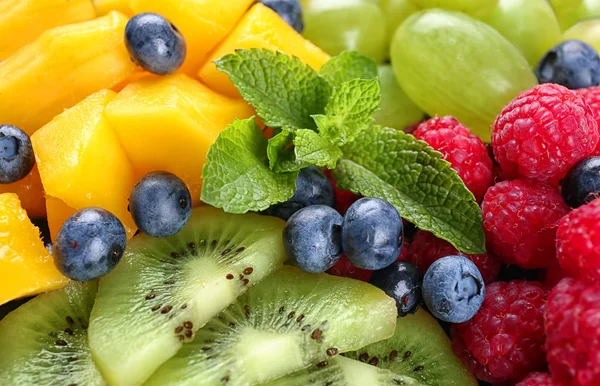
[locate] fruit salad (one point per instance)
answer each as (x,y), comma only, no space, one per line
(299,192)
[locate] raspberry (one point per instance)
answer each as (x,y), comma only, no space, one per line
(505,339)
(536,379)
(466,152)
(592,97)
(520,220)
(343,198)
(572,323)
(554,274)
(543,132)
(578,241)
(426,248)
(344,268)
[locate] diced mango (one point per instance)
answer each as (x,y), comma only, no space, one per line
(168,123)
(203,23)
(22,21)
(260,28)
(63,66)
(26,266)
(30,192)
(105,6)
(81,161)
(58,213)
(134,77)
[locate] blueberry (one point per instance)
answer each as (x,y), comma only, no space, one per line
(160,204)
(89,244)
(372,234)
(289,10)
(453,289)
(16,154)
(573,64)
(312,238)
(582,183)
(154,43)
(312,188)
(402,282)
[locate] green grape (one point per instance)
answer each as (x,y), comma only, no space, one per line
(530,25)
(586,30)
(395,11)
(472,7)
(397,110)
(340,25)
(449,63)
(570,12)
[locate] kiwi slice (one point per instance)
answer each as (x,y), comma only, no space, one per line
(45,341)
(287,322)
(341,371)
(419,349)
(164,289)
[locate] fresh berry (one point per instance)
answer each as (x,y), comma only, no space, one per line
(543,132)
(592,96)
(505,339)
(582,183)
(312,188)
(343,198)
(89,244)
(578,241)
(553,274)
(466,152)
(402,282)
(572,63)
(426,248)
(520,220)
(453,289)
(289,10)
(154,43)
(537,379)
(572,323)
(312,238)
(372,234)
(16,154)
(344,268)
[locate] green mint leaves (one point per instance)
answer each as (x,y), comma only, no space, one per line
(326,119)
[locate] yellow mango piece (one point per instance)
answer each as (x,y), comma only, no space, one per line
(260,28)
(58,212)
(168,123)
(22,21)
(81,161)
(26,266)
(203,23)
(105,6)
(63,66)
(30,192)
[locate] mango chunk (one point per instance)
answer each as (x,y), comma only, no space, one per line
(30,192)
(63,66)
(81,161)
(105,6)
(26,266)
(203,23)
(168,123)
(22,21)
(58,212)
(260,28)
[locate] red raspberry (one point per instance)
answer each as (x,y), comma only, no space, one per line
(344,268)
(505,339)
(466,152)
(592,97)
(520,220)
(543,132)
(343,198)
(426,248)
(537,379)
(578,241)
(572,323)
(554,274)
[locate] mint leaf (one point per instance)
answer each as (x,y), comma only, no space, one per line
(394,166)
(347,66)
(349,111)
(282,157)
(312,149)
(236,176)
(284,91)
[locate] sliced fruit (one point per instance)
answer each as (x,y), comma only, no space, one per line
(586,30)
(164,289)
(419,349)
(26,267)
(81,161)
(44,342)
(397,110)
(259,28)
(203,23)
(342,371)
(22,21)
(289,321)
(62,67)
(105,6)
(168,123)
(58,213)
(30,192)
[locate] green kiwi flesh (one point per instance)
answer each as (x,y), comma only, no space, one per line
(418,349)
(341,371)
(45,341)
(164,289)
(287,322)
